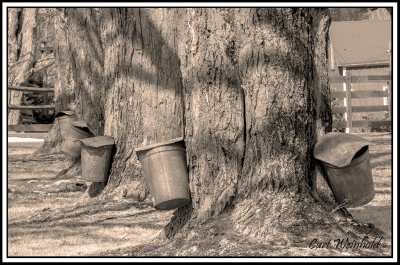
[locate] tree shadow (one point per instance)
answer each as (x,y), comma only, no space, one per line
(290,62)
(380,216)
(298,49)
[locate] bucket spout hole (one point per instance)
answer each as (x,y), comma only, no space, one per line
(360,152)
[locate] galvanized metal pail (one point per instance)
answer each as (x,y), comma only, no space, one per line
(96,155)
(352,185)
(65,119)
(166,175)
(346,161)
(71,146)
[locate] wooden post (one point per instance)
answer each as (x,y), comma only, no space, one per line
(345,100)
(390,82)
(348,105)
(389,90)
(44,72)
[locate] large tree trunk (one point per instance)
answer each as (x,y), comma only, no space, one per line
(254,106)
(65,96)
(87,65)
(247,88)
(21,53)
(214,109)
(144,91)
(64,85)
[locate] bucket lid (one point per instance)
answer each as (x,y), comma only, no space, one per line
(338,149)
(144,148)
(65,112)
(98,141)
(82,125)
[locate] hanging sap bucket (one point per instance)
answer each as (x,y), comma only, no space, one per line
(96,155)
(166,175)
(64,120)
(346,161)
(77,131)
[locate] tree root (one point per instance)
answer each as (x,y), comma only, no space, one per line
(278,219)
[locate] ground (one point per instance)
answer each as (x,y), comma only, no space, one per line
(51,214)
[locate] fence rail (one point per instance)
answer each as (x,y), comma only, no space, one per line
(31,89)
(348,95)
(360,78)
(361,94)
(33,107)
(35,127)
(30,127)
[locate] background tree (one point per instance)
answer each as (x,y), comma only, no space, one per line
(21,51)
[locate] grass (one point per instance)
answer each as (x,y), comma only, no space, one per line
(45,218)
(379,210)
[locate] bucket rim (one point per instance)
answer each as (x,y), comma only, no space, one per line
(62,113)
(79,130)
(65,117)
(93,147)
(81,124)
(97,141)
(148,147)
(141,156)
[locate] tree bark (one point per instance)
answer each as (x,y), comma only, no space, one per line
(64,85)
(65,96)
(214,109)
(21,53)
(87,65)
(247,88)
(144,90)
(253,114)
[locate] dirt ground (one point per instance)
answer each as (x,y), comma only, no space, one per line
(50,214)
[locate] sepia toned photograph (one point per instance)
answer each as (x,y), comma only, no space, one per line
(199,132)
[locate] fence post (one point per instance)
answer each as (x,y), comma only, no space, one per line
(349,109)
(390,82)
(44,72)
(389,90)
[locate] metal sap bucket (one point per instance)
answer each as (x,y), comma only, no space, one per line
(96,155)
(166,175)
(77,131)
(346,161)
(64,120)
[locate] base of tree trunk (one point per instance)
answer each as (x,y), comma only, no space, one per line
(280,219)
(52,142)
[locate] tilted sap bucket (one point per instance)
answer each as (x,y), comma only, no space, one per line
(346,161)
(166,175)
(65,119)
(77,131)
(96,155)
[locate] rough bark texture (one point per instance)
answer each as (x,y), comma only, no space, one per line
(252,149)
(249,87)
(65,97)
(144,90)
(87,65)
(276,64)
(21,53)
(321,97)
(64,85)
(214,109)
